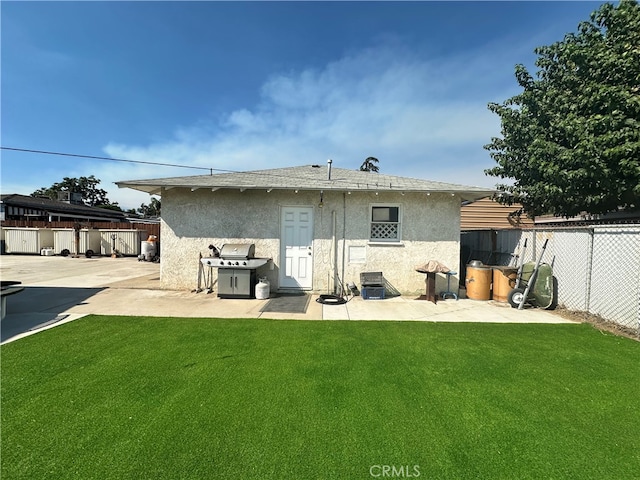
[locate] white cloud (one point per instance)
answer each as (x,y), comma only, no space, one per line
(420,117)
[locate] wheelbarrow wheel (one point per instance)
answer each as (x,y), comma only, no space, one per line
(515,297)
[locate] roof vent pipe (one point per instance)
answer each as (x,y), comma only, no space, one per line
(329,162)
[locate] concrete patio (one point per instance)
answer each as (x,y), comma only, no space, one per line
(62,289)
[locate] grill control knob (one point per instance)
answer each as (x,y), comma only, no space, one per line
(237,263)
(229,263)
(221,262)
(244,263)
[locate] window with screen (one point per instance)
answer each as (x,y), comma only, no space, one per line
(385,223)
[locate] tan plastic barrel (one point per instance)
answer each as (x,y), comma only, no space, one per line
(504,280)
(478,283)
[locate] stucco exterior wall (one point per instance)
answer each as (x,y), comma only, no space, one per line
(192,220)
(430,231)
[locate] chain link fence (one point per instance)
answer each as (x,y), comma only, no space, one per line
(615,275)
(597,267)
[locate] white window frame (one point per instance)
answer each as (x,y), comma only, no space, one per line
(371,223)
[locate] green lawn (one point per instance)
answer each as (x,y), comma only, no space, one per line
(159,398)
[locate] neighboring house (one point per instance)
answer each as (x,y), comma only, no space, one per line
(23,207)
(321,226)
(489,229)
(613,218)
(487,214)
(480,221)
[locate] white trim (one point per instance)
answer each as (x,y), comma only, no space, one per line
(380,241)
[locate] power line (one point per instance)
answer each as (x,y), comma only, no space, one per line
(26,150)
(210,170)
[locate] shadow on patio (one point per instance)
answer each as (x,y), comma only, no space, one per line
(37,307)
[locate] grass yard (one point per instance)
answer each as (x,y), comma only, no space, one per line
(158,398)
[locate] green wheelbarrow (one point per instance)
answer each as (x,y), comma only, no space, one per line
(535,285)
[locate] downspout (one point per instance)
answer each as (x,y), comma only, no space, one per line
(344,235)
(334,248)
(334,242)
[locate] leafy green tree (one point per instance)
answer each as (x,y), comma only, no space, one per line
(571,140)
(86,186)
(151,210)
(112,206)
(370,165)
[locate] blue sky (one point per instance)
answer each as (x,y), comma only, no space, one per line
(251,85)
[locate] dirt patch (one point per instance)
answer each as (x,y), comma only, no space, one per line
(598,322)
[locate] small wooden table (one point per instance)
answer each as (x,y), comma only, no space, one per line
(431,287)
(430,269)
(430,293)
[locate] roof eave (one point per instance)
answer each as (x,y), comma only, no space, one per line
(156,189)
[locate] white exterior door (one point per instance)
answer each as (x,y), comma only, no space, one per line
(296,240)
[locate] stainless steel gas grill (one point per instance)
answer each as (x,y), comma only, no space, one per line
(236,266)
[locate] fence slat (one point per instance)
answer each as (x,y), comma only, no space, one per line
(151,228)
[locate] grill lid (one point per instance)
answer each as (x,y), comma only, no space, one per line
(238,250)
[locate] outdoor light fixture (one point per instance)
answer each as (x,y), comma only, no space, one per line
(269,190)
(321,204)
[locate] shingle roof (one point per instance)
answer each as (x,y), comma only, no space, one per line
(307,177)
(56,207)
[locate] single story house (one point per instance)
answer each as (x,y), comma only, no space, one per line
(321,226)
